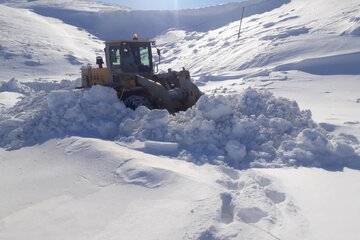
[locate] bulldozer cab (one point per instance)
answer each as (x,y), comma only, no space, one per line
(131,56)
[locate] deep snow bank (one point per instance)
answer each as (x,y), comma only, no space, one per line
(250,129)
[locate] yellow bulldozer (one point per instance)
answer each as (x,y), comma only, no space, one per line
(130,71)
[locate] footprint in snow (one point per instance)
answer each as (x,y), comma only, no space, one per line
(230,172)
(227,208)
(251,215)
(231,185)
(263,181)
(275,196)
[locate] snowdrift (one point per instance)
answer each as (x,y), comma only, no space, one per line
(251,129)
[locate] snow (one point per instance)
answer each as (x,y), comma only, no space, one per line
(50,49)
(78,180)
(122,23)
(9,99)
(296,33)
(250,129)
(284,97)
(311,186)
(96,188)
(75,5)
(346,64)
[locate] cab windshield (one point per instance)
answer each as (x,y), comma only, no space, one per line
(132,57)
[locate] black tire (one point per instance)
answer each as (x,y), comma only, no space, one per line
(136,101)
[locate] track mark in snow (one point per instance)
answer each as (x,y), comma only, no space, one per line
(342,64)
(266,84)
(328,126)
(73,146)
(251,215)
(227,208)
(358,100)
(271,24)
(209,234)
(231,179)
(268,25)
(290,32)
(288,18)
(32,63)
(72,59)
(144,176)
(351,122)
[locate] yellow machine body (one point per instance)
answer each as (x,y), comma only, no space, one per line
(130,71)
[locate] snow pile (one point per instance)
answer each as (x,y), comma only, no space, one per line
(14,86)
(250,129)
(95,112)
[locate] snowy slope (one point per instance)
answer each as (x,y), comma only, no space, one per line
(291,33)
(123,23)
(300,35)
(33,46)
(79,5)
(76,164)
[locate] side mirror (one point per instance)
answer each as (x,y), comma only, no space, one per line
(99,61)
(159,54)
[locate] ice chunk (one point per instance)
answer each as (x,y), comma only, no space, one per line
(162,147)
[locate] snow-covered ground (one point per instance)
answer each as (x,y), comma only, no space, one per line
(247,162)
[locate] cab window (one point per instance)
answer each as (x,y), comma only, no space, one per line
(144,56)
(115,57)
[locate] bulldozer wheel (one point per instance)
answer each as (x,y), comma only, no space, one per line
(134,102)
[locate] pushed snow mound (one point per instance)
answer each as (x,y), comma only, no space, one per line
(253,128)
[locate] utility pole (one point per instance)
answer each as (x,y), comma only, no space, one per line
(242,16)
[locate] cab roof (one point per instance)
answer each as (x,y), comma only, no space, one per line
(129,41)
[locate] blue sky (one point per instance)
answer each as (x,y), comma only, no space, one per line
(167,4)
